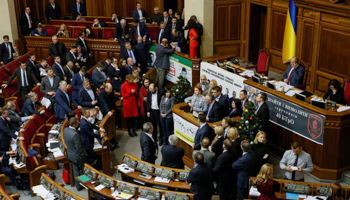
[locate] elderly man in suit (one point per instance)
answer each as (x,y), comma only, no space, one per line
(149,147)
(245,168)
(77,83)
(99,75)
(52,10)
(78,8)
(49,85)
(163,32)
(29,105)
(121,29)
(25,79)
(69,71)
(27,22)
(88,135)
(139,29)
(57,48)
(7,128)
(204,84)
(214,112)
(75,149)
(204,130)
(153,112)
(262,111)
(209,157)
(172,155)
(6,51)
(86,96)
(156,17)
(127,52)
(162,63)
(98,23)
(14,116)
(201,179)
(58,69)
(294,75)
(63,102)
(139,13)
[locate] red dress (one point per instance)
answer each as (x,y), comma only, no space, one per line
(142,104)
(129,99)
(193,43)
(267,190)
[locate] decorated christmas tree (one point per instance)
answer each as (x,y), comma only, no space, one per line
(181,89)
(250,124)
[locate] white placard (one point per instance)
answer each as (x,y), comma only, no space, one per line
(183,129)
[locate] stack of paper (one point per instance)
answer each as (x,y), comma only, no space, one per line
(13,144)
(46,102)
(292,92)
(248,73)
(58,154)
(254,191)
(125,169)
(43,192)
(343,108)
(99,187)
(97,145)
(20,165)
(161,180)
(317,99)
(315,197)
(124,196)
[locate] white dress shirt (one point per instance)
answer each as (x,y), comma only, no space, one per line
(29,20)
(154,103)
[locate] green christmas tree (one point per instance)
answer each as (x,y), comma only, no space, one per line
(181,89)
(250,124)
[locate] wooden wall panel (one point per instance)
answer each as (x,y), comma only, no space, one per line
(307,42)
(235,19)
(221,32)
(277,29)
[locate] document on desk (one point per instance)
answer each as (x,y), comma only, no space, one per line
(13,144)
(46,101)
(254,191)
(125,169)
(248,73)
(58,154)
(97,145)
(161,180)
(20,165)
(309,197)
(292,195)
(343,108)
(292,92)
(99,187)
(125,196)
(43,192)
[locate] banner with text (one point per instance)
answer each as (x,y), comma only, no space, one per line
(291,116)
(178,66)
(230,83)
(183,129)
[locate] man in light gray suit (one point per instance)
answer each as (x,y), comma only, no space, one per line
(204,84)
(75,149)
(208,156)
(98,75)
(49,85)
(162,63)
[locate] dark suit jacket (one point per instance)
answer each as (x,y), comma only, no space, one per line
(201,179)
(177,26)
(199,33)
(125,54)
(87,133)
(69,74)
(224,104)
(98,77)
(15,118)
(77,84)
(143,31)
(205,131)
(35,32)
(181,22)
(107,102)
(79,42)
(156,18)
(6,133)
(149,99)
(264,115)
(297,76)
(52,13)
(84,98)
(102,24)
(70,57)
(172,156)
(35,69)
(217,146)
(223,172)
(29,108)
(119,19)
(4,52)
(215,113)
(23,22)
(75,10)
(162,56)
(46,87)
(166,34)
(30,76)
(56,69)
(75,148)
(179,39)
(148,148)
(61,50)
(118,31)
(245,166)
(142,50)
(136,15)
(63,107)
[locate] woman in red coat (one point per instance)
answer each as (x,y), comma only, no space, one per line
(129,94)
(192,27)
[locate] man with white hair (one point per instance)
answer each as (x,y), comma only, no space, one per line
(57,49)
(29,105)
(14,116)
(149,147)
(121,29)
(172,155)
(63,101)
(156,17)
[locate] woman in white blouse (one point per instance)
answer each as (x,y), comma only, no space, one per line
(197,101)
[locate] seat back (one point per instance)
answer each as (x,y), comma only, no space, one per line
(36,89)
(306,74)
(10,89)
(95,31)
(108,33)
(263,61)
(75,31)
(50,29)
(347,90)
(50,61)
(14,64)
(3,74)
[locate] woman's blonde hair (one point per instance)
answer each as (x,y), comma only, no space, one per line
(232,133)
(215,83)
(129,77)
(336,191)
(257,135)
(265,173)
(219,131)
(135,76)
(64,25)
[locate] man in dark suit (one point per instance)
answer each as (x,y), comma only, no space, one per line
(142,49)
(98,23)
(78,8)
(6,51)
(82,42)
(162,63)
(156,17)
(86,96)
(72,56)
(127,52)
(116,18)
(149,147)
(9,170)
(29,105)
(32,64)
(75,149)
(107,100)
(223,172)
(25,79)
(177,39)
(223,102)
(63,102)
(88,135)
(69,71)
(138,28)
(49,85)
(107,64)
(163,32)
(166,19)
(99,76)
(209,157)
(7,130)
(243,97)
(172,155)
(245,166)
(214,112)
(82,58)
(201,179)
(15,118)
(204,84)
(153,101)
(294,75)
(139,13)
(121,29)
(262,111)
(179,20)
(174,25)
(27,22)
(57,49)
(58,69)
(77,83)
(52,10)
(204,130)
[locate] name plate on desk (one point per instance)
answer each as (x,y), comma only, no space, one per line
(292,117)
(185,130)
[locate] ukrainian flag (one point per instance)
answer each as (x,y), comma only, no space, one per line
(290,33)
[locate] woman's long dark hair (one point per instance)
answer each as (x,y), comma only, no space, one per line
(192,24)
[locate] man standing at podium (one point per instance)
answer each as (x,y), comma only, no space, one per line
(294,74)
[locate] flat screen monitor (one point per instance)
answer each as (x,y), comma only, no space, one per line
(319,104)
(231,69)
(256,79)
(270,85)
(300,97)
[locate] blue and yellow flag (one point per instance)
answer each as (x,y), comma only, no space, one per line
(290,33)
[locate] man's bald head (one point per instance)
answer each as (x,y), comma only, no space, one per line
(108,88)
(130,61)
(123,22)
(164,41)
(70,64)
(139,39)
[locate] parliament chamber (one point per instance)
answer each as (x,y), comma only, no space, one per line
(238,36)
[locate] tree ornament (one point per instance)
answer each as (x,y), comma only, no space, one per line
(178,80)
(246,110)
(177,90)
(182,86)
(246,122)
(240,127)
(251,118)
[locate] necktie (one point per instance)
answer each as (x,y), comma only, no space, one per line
(24,79)
(131,55)
(160,36)
(9,48)
(30,20)
(123,31)
(173,26)
(295,164)
(290,76)
(82,78)
(74,55)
